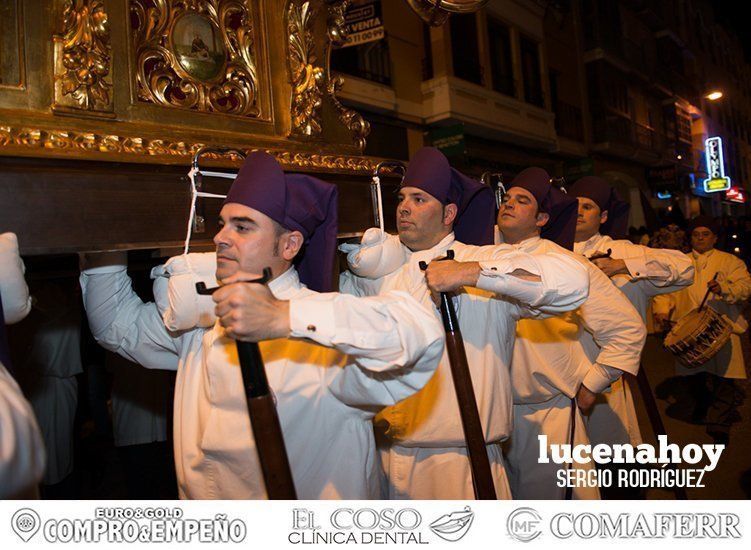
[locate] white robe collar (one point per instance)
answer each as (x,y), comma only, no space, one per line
(286,284)
(584,246)
(698,255)
(434,252)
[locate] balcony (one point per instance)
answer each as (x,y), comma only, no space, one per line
(568,121)
(645,136)
(626,55)
(618,135)
(487,113)
(370,61)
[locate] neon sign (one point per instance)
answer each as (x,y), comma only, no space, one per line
(717,181)
(735,194)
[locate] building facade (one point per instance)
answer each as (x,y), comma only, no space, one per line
(613,88)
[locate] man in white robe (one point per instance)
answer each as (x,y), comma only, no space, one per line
(332,360)
(571,356)
(639,272)
(439,209)
(22,455)
(712,384)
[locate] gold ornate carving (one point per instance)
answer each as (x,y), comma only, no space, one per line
(307,78)
(337,34)
(213,72)
(83,57)
(91,144)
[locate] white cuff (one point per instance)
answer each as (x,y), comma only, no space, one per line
(599,377)
(111,268)
(637,267)
(312,319)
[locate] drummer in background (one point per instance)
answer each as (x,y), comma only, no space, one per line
(640,272)
(712,384)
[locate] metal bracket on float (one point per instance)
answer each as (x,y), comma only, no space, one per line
(196,221)
(494,180)
(375,188)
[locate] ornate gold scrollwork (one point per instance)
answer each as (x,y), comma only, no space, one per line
(307,78)
(83,57)
(196,54)
(72,142)
(337,34)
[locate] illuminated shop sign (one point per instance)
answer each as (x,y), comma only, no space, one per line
(735,194)
(717,181)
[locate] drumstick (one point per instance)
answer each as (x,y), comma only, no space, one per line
(704,301)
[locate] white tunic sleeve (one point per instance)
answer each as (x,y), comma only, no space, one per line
(599,377)
(122,323)
(657,270)
(614,324)
(736,285)
(22,457)
(563,286)
(349,283)
(13,289)
(395,343)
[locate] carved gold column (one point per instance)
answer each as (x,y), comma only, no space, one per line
(306,76)
(83,59)
(353,120)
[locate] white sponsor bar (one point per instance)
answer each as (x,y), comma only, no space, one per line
(435,524)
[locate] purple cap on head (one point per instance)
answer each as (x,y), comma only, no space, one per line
(562,209)
(430,171)
(296,202)
(704,221)
(605,197)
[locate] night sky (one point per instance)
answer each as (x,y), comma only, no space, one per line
(727,14)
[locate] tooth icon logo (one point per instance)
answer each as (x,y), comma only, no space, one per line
(25,523)
(454,526)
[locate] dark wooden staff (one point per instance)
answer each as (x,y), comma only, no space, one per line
(482,479)
(600,255)
(267,431)
(655,419)
(569,494)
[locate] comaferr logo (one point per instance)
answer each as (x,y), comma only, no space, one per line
(646,526)
(523,524)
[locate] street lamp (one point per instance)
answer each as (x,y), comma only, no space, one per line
(714,95)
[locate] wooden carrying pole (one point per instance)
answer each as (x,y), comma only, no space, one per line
(658,427)
(482,479)
(267,431)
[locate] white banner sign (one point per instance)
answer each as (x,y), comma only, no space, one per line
(364,23)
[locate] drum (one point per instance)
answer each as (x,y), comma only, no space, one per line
(698,336)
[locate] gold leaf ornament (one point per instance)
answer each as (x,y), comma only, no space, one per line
(83,57)
(307,78)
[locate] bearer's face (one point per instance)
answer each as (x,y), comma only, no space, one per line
(247,242)
(519,213)
(702,239)
(589,219)
(421,219)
